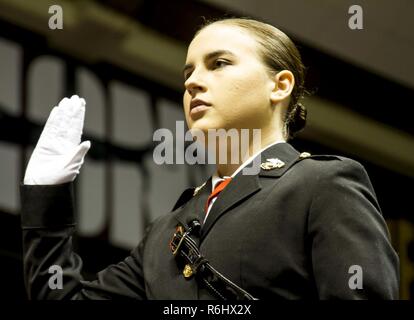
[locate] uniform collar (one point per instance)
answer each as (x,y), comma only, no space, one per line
(215,179)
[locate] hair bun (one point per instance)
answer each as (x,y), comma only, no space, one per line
(297,119)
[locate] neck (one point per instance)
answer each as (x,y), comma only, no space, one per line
(255,145)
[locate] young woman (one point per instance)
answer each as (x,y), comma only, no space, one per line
(301,227)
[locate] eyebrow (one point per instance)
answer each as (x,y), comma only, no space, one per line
(209,56)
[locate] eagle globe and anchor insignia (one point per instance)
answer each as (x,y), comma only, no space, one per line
(275,163)
(272,163)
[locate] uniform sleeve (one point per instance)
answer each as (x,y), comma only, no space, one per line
(352,257)
(48,226)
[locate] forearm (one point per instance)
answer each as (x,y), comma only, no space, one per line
(48,224)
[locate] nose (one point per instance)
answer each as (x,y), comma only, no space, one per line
(194,84)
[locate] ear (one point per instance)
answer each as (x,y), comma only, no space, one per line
(283,83)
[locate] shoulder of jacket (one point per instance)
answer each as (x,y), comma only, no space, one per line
(326,161)
(330,164)
(329,157)
(319,157)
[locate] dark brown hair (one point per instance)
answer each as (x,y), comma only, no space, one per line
(278,53)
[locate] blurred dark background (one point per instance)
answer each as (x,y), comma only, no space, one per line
(125,57)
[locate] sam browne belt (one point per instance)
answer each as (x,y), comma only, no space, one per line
(185,250)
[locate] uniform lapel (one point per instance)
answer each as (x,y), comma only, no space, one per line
(238,189)
(194,209)
(243,186)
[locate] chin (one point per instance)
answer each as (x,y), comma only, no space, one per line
(203,125)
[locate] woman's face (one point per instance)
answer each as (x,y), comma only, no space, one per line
(223,69)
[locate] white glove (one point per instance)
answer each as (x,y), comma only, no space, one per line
(58,156)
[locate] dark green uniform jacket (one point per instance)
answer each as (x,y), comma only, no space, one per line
(290,232)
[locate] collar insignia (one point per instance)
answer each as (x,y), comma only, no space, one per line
(196,190)
(272,163)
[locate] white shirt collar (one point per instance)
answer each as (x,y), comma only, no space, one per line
(216,178)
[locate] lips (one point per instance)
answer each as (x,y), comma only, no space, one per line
(197,106)
(197,102)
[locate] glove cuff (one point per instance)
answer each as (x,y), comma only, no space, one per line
(44,206)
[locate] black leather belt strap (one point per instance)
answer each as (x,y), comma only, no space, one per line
(183,246)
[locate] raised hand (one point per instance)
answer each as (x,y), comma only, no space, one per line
(58,155)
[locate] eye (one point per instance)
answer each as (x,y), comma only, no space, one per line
(219,63)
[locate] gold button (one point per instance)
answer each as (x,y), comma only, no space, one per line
(304,155)
(187,272)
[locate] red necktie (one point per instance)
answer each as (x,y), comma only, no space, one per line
(217,189)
